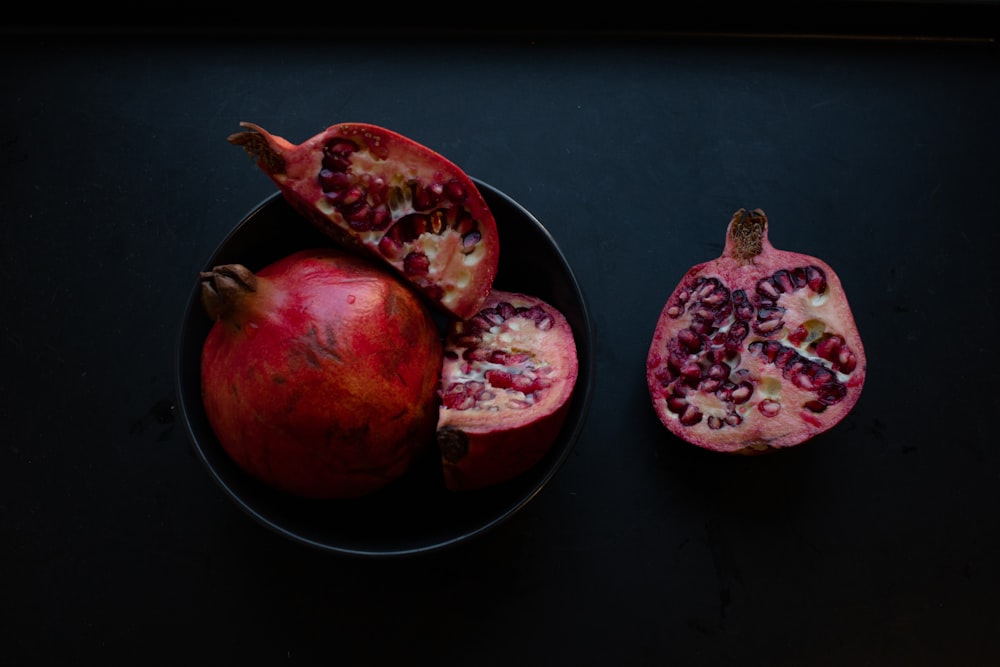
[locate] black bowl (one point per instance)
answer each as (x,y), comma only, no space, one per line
(414,514)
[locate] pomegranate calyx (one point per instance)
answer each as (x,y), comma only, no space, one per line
(747,231)
(453,442)
(222,288)
(255,142)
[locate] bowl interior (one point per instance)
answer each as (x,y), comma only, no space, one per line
(416,513)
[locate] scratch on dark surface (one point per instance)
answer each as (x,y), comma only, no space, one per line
(877,429)
(162,412)
(724,562)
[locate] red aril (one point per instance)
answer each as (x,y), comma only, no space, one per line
(757,349)
(508,375)
(373,188)
(319,375)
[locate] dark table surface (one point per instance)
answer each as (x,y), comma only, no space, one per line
(876,543)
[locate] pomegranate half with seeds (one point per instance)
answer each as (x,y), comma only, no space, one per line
(319,374)
(372,188)
(507,379)
(755,350)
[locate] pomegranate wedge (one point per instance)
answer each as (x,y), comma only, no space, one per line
(507,378)
(373,188)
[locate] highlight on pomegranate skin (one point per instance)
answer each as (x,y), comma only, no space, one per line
(371,188)
(756,350)
(507,378)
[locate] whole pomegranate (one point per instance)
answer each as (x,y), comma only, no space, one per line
(399,200)
(319,375)
(755,350)
(508,375)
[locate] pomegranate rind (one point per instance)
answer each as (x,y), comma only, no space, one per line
(777,414)
(427,243)
(492,428)
(325,389)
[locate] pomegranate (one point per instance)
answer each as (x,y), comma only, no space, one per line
(508,374)
(319,374)
(372,188)
(755,350)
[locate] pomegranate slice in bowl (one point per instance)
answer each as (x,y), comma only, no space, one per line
(508,375)
(400,201)
(416,513)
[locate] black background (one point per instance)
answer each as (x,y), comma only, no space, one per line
(873,146)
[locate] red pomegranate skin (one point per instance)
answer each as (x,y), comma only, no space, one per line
(508,376)
(398,200)
(321,380)
(756,350)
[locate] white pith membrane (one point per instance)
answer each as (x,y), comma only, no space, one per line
(776,413)
(510,357)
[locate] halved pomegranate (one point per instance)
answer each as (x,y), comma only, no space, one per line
(757,349)
(406,204)
(508,375)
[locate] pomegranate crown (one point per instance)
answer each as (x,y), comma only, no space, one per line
(747,231)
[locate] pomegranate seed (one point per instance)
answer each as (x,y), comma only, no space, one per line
(828,347)
(332,181)
(427,198)
(676,404)
(831,393)
(741,305)
(798,336)
(705,287)
(820,375)
(816,279)
(381,217)
(455,191)
(500,379)
(339,147)
(353,195)
(767,326)
(799,277)
(691,370)
(691,416)
(769,407)
(416,264)
(689,339)
(846,361)
(497,357)
(718,371)
(470,240)
(766,288)
(360,217)
(718,297)
(725,393)
(505,310)
(742,393)
(783,281)
(524,384)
